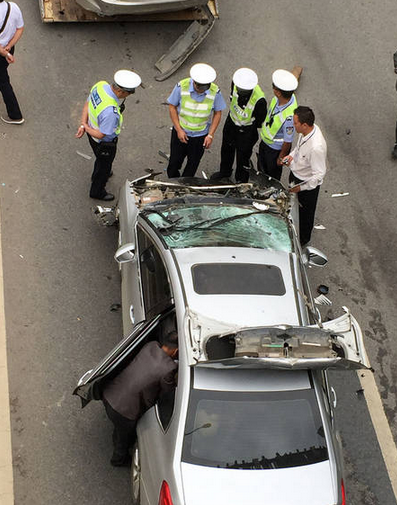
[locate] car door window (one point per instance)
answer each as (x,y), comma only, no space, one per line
(156,288)
(165,408)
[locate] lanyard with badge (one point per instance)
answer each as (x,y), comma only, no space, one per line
(300,143)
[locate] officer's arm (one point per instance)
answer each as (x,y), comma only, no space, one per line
(94,132)
(175,121)
(83,121)
(216,119)
(285,149)
(260,112)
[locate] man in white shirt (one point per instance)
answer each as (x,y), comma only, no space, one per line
(308,164)
(11,28)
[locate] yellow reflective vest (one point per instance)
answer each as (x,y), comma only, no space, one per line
(98,101)
(274,122)
(194,115)
(242,116)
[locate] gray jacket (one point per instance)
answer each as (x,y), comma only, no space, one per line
(140,384)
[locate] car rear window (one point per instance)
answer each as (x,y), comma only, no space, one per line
(255,431)
(237,279)
(220,226)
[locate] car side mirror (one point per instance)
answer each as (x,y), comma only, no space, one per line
(314,257)
(125,253)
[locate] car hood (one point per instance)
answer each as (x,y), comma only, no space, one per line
(306,485)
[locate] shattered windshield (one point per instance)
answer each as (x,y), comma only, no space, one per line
(220,225)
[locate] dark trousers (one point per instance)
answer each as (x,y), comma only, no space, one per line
(193,150)
(124,433)
(12,106)
(267,161)
(104,156)
(237,142)
(307,209)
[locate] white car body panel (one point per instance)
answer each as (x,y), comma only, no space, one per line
(240,310)
(307,485)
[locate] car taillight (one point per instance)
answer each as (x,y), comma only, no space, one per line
(165,495)
(342,485)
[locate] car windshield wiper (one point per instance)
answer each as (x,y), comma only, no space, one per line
(295,458)
(202,225)
(171,223)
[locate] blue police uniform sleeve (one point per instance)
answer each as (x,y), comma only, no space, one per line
(175,96)
(108,121)
(219,102)
(288,129)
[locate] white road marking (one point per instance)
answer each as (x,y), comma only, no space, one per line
(6,475)
(381,425)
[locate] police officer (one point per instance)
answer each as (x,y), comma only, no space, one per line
(101,119)
(195,107)
(277,130)
(240,133)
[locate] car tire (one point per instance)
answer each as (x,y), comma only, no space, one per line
(135,476)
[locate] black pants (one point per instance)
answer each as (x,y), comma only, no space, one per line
(104,156)
(124,433)
(193,150)
(267,161)
(12,106)
(307,209)
(237,142)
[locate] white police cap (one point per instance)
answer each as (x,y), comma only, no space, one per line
(202,73)
(127,80)
(245,78)
(284,80)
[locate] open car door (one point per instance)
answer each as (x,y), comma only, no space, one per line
(338,344)
(89,386)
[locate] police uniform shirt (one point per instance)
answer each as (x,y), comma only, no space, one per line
(14,22)
(309,159)
(260,109)
(287,131)
(175,99)
(108,119)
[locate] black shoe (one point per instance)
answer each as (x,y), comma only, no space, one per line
(217,176)
(394,152)
(106,198)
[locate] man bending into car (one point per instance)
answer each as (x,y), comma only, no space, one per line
(136,389)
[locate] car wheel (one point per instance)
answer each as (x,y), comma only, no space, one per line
(135,476)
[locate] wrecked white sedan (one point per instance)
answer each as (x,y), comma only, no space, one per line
(252,418)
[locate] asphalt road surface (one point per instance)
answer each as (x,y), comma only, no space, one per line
(59,276)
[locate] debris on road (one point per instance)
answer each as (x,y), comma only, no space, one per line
(319,227)
(85,156)
(322,289)
(164,155)
(322,300)
(115,307)
(336,195)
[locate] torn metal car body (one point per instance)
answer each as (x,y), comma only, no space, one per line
(203,14)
